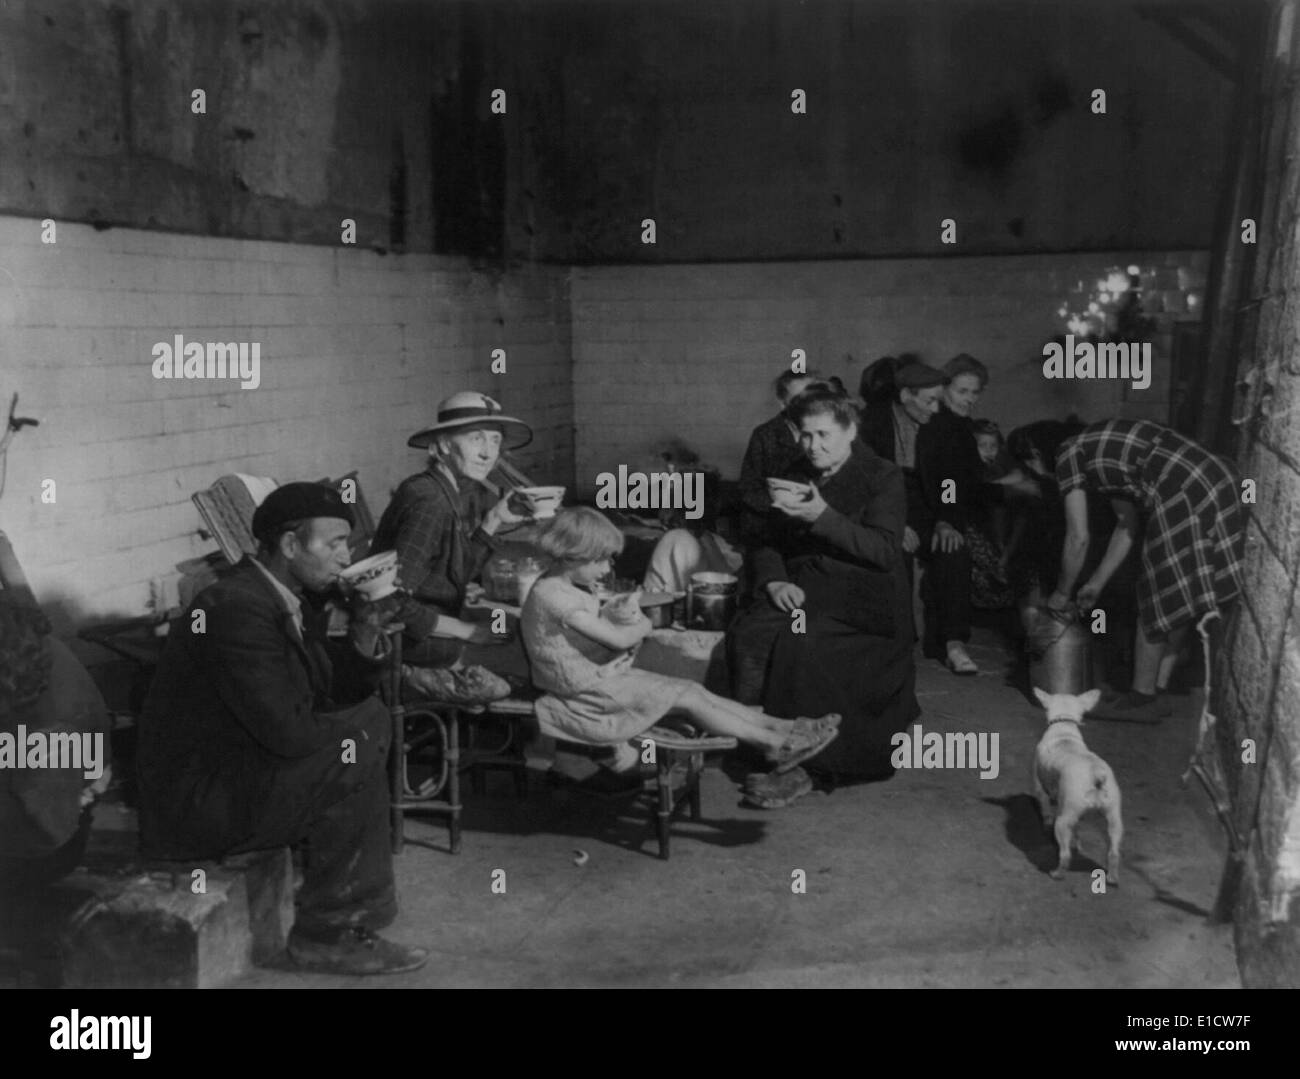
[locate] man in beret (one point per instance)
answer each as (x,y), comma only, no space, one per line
(244,744)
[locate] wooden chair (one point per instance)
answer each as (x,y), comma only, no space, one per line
(422,726)
(227,509)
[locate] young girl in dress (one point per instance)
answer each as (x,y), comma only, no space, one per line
(582,657)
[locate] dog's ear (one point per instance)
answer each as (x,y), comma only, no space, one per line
(1089,700)
(1045,699)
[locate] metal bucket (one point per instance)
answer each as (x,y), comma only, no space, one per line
(1057,649)
(711,601)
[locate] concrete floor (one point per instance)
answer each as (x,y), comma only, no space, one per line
(932,879)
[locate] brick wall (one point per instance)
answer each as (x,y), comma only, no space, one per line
(692,350)
(356,350)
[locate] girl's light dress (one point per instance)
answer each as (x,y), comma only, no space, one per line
(593,694)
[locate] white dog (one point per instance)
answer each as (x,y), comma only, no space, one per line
(1070,775)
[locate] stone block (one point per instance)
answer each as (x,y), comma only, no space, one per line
(1275,804)
(146,927)
(1286,709)
(1250,678)
(1266,590)
(1268,951)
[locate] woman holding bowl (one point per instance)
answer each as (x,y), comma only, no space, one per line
(831,628)
(442,523)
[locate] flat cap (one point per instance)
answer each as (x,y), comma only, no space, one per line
(297,502)
(918,376)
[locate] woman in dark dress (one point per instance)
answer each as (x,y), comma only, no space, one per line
(838,558)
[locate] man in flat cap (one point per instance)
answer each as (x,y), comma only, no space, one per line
(901,399)
(244,744)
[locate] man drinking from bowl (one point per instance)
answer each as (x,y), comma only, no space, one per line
(254,737)
(441,522)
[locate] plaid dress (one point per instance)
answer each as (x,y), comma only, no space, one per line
(1194,531)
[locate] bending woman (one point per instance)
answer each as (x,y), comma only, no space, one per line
(838,558)
(1192,540)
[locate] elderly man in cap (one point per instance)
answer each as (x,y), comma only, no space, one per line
(245,744)
(442,522)
(896,426)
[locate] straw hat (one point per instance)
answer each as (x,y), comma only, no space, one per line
(466,408)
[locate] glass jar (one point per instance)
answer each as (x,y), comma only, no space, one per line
(499,580)
(527,570)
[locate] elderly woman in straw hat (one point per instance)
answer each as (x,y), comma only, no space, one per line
(442,522)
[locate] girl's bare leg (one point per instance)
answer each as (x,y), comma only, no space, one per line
(718,715)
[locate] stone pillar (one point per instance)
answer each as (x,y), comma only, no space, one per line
(1257,672)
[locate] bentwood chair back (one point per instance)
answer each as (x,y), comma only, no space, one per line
(227,509)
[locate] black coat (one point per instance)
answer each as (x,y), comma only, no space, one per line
(228,708)
(945,450)
(855,657)
(772,450)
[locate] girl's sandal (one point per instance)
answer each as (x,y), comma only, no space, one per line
(830,720)
(811,728)
(799,747)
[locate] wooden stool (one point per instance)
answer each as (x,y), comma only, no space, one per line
(426,724)
(670,748)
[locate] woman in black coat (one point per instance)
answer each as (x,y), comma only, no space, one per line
(837,557)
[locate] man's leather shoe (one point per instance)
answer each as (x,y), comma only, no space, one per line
(358,951)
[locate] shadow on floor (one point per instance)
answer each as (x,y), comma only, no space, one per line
(626,822)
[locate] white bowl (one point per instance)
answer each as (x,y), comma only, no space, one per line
(787,492)
(543,501)
(373,577)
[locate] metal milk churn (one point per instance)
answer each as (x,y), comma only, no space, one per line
(1057,648)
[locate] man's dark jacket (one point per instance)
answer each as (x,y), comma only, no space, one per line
(945,450)
(228,708)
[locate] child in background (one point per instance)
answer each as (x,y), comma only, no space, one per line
(583,661)
(988,437)
(1015,492)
